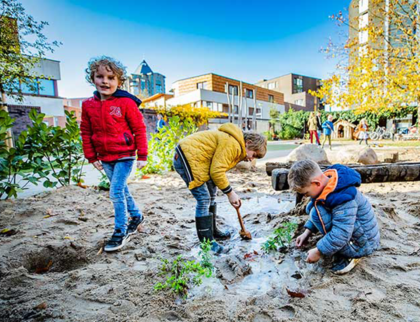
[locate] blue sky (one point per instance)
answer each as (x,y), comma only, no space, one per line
(247,40)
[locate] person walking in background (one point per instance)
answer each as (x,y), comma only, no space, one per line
(160,123)
(393,131)
(328,127)
(319,124)
(313,128)
(362,130)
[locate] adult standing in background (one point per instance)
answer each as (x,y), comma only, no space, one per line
(313,128)
(319,124)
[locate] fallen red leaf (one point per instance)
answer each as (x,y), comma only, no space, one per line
(295,294)
(145,177)
(41,306)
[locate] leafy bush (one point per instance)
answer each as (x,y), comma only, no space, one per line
(39,151)
(282,237)
(17,170)
(60,147)
(198,115)
(181,274)
(162,144)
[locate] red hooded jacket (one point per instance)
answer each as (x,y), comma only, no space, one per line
(113,129)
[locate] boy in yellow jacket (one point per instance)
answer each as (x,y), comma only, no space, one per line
(202,160)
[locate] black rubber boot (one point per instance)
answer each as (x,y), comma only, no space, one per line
(204,227)
(218,234)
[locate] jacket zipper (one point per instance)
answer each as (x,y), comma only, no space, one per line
(104,125)
(320,218)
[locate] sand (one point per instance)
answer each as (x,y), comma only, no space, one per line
(52,267)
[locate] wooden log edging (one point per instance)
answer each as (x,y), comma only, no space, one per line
(392,172)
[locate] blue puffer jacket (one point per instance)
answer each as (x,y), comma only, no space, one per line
(344,216)
(328,127)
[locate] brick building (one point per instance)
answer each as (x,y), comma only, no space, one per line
(211,90)
(295,89)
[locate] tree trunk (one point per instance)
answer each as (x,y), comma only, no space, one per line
(370,173)
(3,107)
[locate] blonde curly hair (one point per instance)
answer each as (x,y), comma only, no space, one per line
(110,64)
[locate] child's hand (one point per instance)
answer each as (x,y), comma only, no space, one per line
(301,240)
(313,255)
(141,164)
(234,200)
(98,165)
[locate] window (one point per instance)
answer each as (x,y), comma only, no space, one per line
(249,93)
(258,111)
(202,85)
(363,5)
(30,87)
(235,110)
(233,89)
(55,121)
(297,85)
(251,111)
(362,51)
(272,85)
(80,103)
(143,85)
(135,90)
(46,87)
(39,87)
(158,88)
(209,104)
(299,102)
(271,98)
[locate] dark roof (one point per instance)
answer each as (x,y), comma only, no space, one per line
(143,69)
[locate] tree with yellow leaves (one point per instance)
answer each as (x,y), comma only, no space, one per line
(199,115)
(382,71)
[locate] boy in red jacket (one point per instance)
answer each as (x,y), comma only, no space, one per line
(112,131)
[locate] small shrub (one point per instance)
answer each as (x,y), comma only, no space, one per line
(282,237)
(162,145)
(180,274)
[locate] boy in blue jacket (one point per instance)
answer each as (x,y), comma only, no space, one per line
(339,211)
(328,127)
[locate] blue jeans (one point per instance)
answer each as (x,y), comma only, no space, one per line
(204,194)
(118,173)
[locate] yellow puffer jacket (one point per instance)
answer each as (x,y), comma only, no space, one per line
(211,153)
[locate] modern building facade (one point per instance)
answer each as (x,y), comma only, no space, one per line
(219,92)
(144,82)
(295,89)
(157,100)
(42,95)
(71,105)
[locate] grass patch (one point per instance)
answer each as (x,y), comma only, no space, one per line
(281,147)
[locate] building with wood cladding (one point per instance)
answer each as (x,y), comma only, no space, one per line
(251,108)
(296,90)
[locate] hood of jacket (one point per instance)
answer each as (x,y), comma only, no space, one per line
(120,93)
(234,131)
(341,187)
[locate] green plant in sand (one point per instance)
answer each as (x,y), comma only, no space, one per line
(281,237)
(181,274)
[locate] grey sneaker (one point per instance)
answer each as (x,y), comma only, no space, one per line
(117,241)
(134,224)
